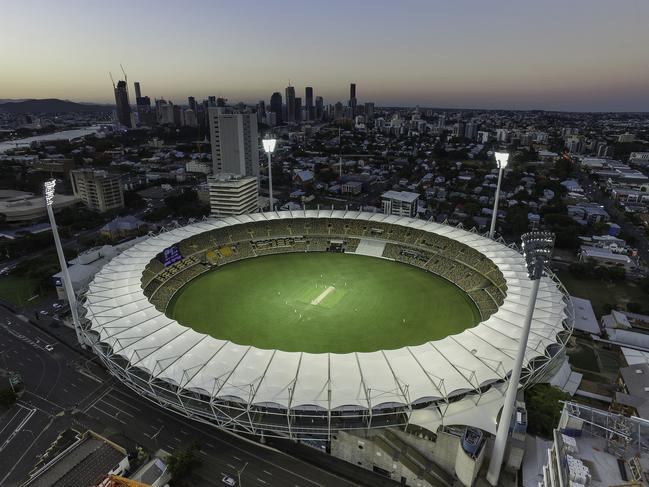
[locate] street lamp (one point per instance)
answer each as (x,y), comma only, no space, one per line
(269,147)
(49,188)
(501,160)
(537,250)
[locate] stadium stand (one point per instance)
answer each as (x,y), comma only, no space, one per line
(465,267)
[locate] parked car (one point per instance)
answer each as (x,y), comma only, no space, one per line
(227,480)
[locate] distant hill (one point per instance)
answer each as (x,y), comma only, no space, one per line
(52,105)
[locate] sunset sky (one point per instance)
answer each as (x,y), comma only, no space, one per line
(514,54)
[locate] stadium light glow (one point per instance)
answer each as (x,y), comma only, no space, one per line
(49,191)
(537,250)
(501,160)
(269,145)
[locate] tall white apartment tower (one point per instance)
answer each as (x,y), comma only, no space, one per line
(235,142)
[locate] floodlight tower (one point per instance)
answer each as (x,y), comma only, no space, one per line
(501,159)
(49,188)
(537,250)
(269,148)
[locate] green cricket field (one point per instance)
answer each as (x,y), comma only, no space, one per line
(323,302)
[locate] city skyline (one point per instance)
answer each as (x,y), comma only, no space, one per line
(414,53)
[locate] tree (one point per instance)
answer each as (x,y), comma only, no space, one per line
(543,408)
(182,461)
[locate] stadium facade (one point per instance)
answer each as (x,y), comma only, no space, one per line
(458,380)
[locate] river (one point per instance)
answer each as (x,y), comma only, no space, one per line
(62,135)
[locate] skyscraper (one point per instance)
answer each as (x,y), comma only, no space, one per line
(235,144)
(369,110)
(143,106)
(123,106)
(298,109)
(308,102)
(276,106)
(191,101)
(352,98)
(261,111)
(319,108)
(290,104)
(338,111)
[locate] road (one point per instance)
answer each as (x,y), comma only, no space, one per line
(65,389)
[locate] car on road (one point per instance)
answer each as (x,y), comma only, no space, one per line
(49,348)
(43,312)
(227,480)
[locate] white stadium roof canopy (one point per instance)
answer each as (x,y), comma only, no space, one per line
(122,316)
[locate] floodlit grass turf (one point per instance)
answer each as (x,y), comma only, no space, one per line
(265,302)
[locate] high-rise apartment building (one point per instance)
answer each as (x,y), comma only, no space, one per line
(298,109)
(138,92)
(98,190)
(191,101)
(319,108)
(122,104)
(338,111)
(308,103)
(352,99)
(261,111)
(235,144)
(290,104)
(233,194)
(276,106)
(369,110)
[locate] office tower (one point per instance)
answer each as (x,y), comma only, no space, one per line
(369,110)
(233,194)
(338,111)
(290,104)
(261,111)
(138,93)
(319,108)
(298,109)
(191,101)
(164,112)
(98,190)
(235,144)
(276,106)
(308,102)
(122,104)
(179,120)
(190,119)
(352,99)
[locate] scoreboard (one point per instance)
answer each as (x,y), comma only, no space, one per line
(171,255)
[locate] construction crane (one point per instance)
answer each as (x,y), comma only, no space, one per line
(124,72)
(117,481)
(111,78)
